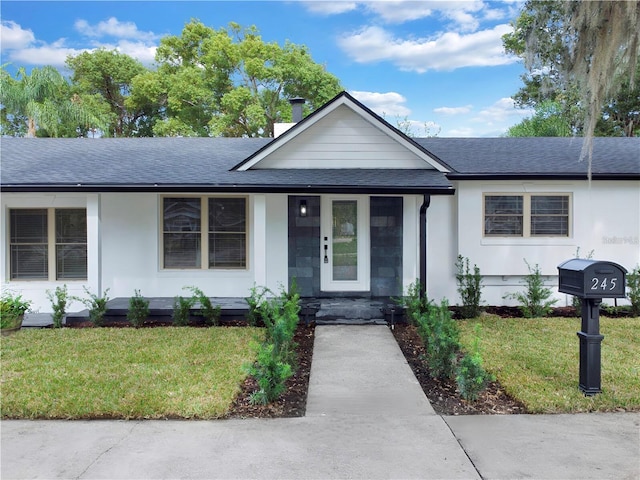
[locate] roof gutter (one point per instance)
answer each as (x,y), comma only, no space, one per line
(348,189)
(423,245)
(542,176)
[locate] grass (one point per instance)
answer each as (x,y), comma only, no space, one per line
(124,373)
(537,362)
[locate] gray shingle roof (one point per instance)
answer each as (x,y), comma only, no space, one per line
(206,164)
(182,163)
(536,157)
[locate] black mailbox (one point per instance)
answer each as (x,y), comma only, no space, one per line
(592,278)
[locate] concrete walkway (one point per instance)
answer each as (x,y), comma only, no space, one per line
(366,418)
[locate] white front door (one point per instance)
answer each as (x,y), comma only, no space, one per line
(344,235)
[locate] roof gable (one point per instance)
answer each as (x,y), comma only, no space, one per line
(343,134)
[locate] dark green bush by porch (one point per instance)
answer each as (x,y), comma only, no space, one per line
(276,359)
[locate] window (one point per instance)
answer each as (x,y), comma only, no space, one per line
(216,225)
(526,215)
(48,244)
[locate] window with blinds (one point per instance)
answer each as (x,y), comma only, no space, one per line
(48,244)
(527,215)
(214,225)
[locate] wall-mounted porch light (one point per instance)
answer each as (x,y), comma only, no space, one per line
(303,208)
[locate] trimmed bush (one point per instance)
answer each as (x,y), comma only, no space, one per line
(469,287)
(138,309)
(97,306)
(535,301)
(210,313)
(276,356)
(58,299)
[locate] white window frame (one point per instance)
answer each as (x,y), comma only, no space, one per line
(527,215)
(204,234)
(52,267)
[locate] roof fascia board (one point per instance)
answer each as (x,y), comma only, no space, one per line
(239,189)
(343,99)
(541,176)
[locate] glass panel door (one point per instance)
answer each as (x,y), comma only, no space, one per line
(345,244)
(345,240)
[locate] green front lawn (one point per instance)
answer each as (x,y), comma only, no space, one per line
(123,372)
(536,361)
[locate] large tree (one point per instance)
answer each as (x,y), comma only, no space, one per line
(41,103)
(108,75)
(581,55)
(547,121)
(229,82)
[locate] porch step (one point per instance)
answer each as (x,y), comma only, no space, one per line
(351,321)
(350,310)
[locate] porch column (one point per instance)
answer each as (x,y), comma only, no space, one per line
(94,244)
(260,239)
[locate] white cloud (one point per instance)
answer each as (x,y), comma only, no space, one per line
(461,132)
(462,14)
(453,110)
(445,52)
(330,7)
(503,110)
(54,54)
(113,27)
(13,36)
(386,105)
(141,51)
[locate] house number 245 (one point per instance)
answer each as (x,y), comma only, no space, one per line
(603,283)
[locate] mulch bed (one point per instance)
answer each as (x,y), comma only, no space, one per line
(293,402)
(443,396)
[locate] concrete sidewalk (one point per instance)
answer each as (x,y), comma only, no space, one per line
(366,418)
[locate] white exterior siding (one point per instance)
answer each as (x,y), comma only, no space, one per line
(604,217)
(442,249)
(343,139)
(36,290)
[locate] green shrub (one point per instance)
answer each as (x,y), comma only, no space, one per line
(471,377)
(256,301)
(633,287)
(182,310)
(414,304)
(58,299)
(12,309)
(441,338)
(97,306)
(210,313)
(276,357)
(270,372)
(469,287)
(535,301)
(138,309)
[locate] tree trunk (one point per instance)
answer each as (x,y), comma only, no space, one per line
(31,132)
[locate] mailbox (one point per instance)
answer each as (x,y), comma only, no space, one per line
(592,278)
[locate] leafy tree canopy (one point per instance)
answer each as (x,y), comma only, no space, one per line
(42,103)
(581,56)
(108,75)
(229,82)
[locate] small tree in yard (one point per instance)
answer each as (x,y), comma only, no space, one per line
(633,285)
(469,287)
(59,299)
(138,309)
(535,300)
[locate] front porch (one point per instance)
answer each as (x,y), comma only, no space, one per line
(322,311)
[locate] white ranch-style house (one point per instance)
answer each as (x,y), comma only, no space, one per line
(342,201)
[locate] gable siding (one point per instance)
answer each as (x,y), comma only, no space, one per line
(342,139)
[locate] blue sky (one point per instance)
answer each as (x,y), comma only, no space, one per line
(438,64)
